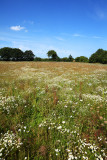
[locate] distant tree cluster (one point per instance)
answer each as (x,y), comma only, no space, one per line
(52,56)
(15,54)
(81,59)
(100,56)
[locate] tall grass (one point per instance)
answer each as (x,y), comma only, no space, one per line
(53,111)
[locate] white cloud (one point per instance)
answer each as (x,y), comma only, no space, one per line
(17,28)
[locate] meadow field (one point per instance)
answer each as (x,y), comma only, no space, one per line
(53,111)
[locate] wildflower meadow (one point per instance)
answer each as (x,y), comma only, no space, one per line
(53,111)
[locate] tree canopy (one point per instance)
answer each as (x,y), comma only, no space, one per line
(28,55)
(100,56)
(52,54)
(15,54)
(70,58)
(6,53)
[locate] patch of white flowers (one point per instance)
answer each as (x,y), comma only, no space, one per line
(8,142)
(96,98)
(81,151)
(10,102)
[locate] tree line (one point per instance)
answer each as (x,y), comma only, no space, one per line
(15,54)
(100,56)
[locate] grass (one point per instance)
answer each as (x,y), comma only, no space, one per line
(53,111)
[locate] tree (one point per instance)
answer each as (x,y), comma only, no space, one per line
(52,54)
(17,54)
(6,53)
(81,59)
(70,58)
(28,55)
(100,56)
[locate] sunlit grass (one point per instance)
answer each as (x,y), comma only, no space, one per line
(53,111)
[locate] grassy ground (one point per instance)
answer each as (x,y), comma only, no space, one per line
(53,111)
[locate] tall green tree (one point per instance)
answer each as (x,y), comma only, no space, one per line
(6,53)
(17,54)
(52,54)
(100,56)
(28,55)
(70,58)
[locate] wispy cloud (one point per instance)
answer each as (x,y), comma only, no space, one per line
(59,38)
(96,37)
(26,30)
(17,28)
(66,34)
(29,22)
(78,35)
(39,48)
(100,13)
(73,35)
(82,36)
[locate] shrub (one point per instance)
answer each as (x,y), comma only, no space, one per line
(81,59)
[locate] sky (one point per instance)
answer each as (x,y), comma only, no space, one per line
(76,27)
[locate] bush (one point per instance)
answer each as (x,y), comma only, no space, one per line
(81,59)
(37,59)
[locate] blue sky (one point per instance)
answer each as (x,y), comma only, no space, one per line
(76,27)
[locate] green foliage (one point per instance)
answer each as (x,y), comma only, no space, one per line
(100,56)
(6,53)
(70,58)
(15,54)
(28,55)
(81,59)
(37,59)
(52,54)
(64,59)
(67,59)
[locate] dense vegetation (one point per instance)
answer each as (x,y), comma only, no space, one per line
(15,54)
(81,59)
(100,56)
(53,111)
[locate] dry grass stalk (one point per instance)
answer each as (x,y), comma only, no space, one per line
(55,98)
(43,150)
